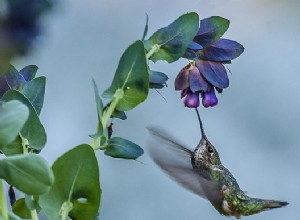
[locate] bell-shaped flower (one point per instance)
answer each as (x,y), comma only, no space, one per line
(192,82)
(209,98)
(191,99)
(207,73)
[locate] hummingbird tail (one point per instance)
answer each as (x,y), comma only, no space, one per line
(272,204)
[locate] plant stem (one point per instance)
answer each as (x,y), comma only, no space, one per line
(34,215)
(152,51)
(3,206)
(107,114)
(33,212)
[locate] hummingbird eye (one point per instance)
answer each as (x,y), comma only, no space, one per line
(210,149)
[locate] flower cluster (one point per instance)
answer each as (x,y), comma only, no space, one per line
(206,73)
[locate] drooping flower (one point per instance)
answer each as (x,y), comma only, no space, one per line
(209,98)
(191,99)
(191,82)
(206,73)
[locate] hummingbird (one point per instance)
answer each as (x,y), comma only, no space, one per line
(202,172)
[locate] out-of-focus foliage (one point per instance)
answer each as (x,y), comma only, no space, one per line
(19,26)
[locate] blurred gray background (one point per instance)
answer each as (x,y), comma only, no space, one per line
(255,127)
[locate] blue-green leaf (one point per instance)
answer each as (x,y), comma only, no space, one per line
(13,115)
(32,130)
(76,186)
(14,79)
(28,72)
(173,40)
(11,79)
(29,173)
(131,78)
(20,209)
(121,148)
(35,91)
(15,147)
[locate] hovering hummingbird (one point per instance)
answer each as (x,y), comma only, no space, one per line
(202,172)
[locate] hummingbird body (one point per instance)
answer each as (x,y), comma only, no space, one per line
(202,172)
(230,200)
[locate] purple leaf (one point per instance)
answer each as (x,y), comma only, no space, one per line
(222,50)
(214,72)
(197,81)
(211,29)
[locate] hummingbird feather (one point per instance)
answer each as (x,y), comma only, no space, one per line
(175,160)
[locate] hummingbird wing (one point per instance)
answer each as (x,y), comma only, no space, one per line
(175,160)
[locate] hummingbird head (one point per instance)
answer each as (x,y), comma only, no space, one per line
(206,154)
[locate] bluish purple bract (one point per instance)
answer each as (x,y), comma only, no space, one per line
(206,72)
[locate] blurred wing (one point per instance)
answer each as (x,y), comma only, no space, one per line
(175,160)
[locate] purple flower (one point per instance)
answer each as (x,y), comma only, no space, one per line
(206,72)
(209,98)
(192,82)
(191,98)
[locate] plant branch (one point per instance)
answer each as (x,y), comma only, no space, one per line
(3,206)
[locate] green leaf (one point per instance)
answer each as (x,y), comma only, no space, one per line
(173,40)
(28,72)
(146,27)
(35,91)
(11,79)
(29,173)
(116,113)
(131,81)
(31,202)
(122,148)
(157,80)
(20,209)
(13,115)
(33,130)
(76,186)
(99,105)
(13,148)
(119,114)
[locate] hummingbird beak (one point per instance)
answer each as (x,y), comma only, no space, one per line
(203,136)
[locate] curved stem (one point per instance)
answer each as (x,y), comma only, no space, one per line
(34,215)
(3,206)
(108,112)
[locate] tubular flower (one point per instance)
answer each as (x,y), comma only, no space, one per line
(206,73)
(191,82)
(209,98)
(191,98)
